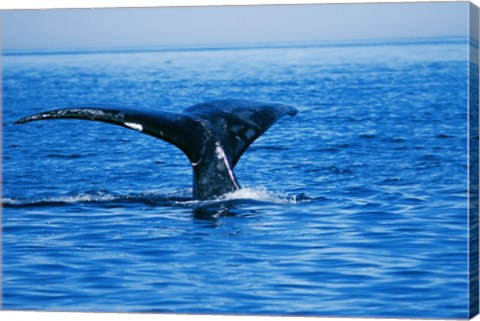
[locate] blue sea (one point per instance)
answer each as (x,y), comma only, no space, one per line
(355,207)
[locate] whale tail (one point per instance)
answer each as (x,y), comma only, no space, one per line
(212,135)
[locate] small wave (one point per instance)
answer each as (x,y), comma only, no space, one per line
(57,201)
(255,148)
(368,135)
(93,197)
(259,195)
(445,136)
(73,156)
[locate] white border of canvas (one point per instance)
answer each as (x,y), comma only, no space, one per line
(48,4)
(29,4)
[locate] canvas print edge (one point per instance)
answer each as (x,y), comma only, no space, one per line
(473,153)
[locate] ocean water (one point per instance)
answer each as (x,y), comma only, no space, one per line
(357,206)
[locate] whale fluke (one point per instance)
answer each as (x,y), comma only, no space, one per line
(212,135)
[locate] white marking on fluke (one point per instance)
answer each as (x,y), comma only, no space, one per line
(135,126)
(221,155)
(195,164)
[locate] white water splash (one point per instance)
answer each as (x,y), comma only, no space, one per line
(258,194)
(94,197)
(81,198)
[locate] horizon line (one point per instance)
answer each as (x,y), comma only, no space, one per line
(449,39)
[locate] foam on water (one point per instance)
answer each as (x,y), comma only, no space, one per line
(71,199)
(259,194)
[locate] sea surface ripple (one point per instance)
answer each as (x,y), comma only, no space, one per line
(357,206)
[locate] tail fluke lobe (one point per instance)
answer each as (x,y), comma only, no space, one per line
(169,127)
(240,122)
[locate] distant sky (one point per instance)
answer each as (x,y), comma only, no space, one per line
(99,28)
